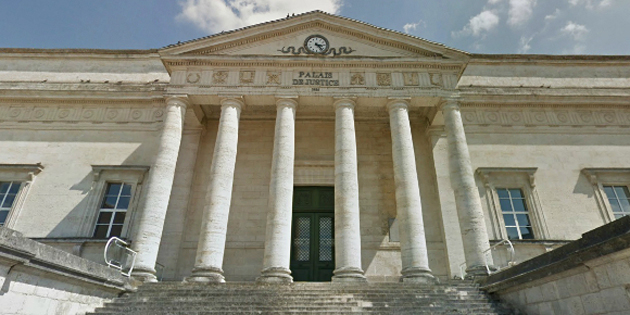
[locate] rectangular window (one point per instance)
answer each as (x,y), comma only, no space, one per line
(114,206)
(619,199)
(8,193)
(515,214)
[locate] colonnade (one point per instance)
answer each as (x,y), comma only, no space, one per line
(211,246)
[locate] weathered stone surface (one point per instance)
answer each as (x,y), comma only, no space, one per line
(39,279)
(587,276)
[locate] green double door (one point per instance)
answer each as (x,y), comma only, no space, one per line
(313,239)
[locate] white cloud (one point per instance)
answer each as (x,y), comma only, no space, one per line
(592,4)
(413,26)
(574,30)
(218,15)
(520,11)
(494,1)
(553,16)
(524,45)
(482,22)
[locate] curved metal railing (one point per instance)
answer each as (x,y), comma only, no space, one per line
(125,257)
(488,254)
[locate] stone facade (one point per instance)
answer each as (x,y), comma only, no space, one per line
(211,134)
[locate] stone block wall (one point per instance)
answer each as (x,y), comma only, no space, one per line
(588,276)
(37,279)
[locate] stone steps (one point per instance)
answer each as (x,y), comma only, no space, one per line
(459,297)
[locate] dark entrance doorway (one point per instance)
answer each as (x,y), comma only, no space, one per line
(313,240)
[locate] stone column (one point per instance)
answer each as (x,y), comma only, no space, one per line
(150,219)
(280,207)
(347,227)
(211,247)
(467,201)
(413,244)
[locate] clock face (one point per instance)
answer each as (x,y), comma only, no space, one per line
(316,44)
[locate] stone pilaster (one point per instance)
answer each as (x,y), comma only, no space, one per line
(413,245)
(211,248)
(467,201)
(280,207)
(347,226)
(150,219)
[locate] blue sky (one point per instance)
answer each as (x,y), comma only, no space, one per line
(483,26)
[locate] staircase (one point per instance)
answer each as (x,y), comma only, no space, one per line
(174,298)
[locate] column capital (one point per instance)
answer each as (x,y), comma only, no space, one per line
(344,102)
(396,103)
(178,100)
(232,102)
(286,102)
(450,103)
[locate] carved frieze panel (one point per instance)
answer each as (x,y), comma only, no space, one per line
(357,78)
(308,77)
(411,79)
(436,79)
(384,79)
(545,117)
(193,77)
(219,77)
(247,77)
(274,77)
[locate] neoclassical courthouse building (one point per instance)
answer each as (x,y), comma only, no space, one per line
(311,147)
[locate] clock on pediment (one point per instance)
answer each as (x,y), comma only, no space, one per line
(316,44)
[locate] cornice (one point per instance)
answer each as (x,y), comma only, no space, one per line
(557,60)
(314,62)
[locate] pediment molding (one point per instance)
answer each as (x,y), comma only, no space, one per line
(315,25)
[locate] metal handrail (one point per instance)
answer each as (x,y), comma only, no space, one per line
(510,263)
(487,254)
(116,264)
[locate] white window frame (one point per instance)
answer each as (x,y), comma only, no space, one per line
(25,174)
(600,177)
(513,178)
(102,175)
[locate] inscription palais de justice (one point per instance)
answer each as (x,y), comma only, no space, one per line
(315,78)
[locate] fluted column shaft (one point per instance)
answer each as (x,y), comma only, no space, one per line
(277,254)
(347,226)
(211,248)
(467,201)
(413,245)
(150,218)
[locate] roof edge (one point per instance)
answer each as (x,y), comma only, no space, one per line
(543,57)
(77,51)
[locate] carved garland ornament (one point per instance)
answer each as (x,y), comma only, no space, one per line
(80,113)
(316,45)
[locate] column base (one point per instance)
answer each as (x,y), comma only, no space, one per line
(206,275)
(275,275)
(417,275)
(477,272)
(144,275)
(348,274)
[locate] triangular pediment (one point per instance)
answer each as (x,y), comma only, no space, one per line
(346,38)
